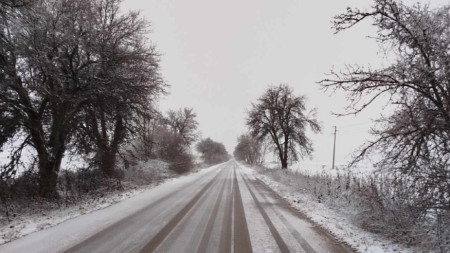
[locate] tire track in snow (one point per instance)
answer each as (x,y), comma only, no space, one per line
(164,232)
(166,244)
(305,245)
(225,233)
(104,234)
(212,218)
(241,235)
(280,242)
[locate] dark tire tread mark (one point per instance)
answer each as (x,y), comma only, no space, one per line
(212,218)
(242,241)
(167,244)
(225,233)
(281,244)
(104,233)
(303,243)
(162,234)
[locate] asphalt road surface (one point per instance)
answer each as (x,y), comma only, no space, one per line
(221,209)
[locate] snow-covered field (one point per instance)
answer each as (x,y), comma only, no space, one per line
(29,221)
(306,168)
(337,222)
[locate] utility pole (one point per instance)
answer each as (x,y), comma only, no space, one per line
(334,146)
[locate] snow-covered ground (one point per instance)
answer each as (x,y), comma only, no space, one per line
(306,168)
(27,224)
(73,231)
(337,222)
(134,183)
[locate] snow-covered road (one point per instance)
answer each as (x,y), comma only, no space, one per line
(219,209)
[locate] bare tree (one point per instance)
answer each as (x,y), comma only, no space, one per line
(281,115)
(212,152)
(156,140)
(144,143)
(248,150)
(415,139)
(183,122)
(48,79)
(65,61)
(129,69)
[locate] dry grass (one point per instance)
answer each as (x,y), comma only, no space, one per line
(378,203)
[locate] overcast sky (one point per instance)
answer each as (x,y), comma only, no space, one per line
(220,56)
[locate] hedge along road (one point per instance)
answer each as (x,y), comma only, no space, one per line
(220,209)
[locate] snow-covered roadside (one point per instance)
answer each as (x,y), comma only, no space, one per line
(36,220)
(336,222)
(27,224)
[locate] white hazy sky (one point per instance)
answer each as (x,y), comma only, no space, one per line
(219,56)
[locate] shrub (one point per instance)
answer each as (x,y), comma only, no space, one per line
(380,203)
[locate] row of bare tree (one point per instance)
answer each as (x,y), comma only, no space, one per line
(82,76)
(166,137)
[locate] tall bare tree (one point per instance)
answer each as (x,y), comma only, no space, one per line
(129,69)
(48,80)
(183,122)
(282,116)
(60,56)
(415,139)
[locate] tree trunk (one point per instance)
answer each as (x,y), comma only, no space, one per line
(51,152)
(49,162)
(284,159)
(109,150)
(108,162)
(284,164)
(48,177)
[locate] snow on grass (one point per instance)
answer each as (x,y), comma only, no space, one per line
(364,169)
(337,222)
(147,171)
(26,224)
(135,181)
